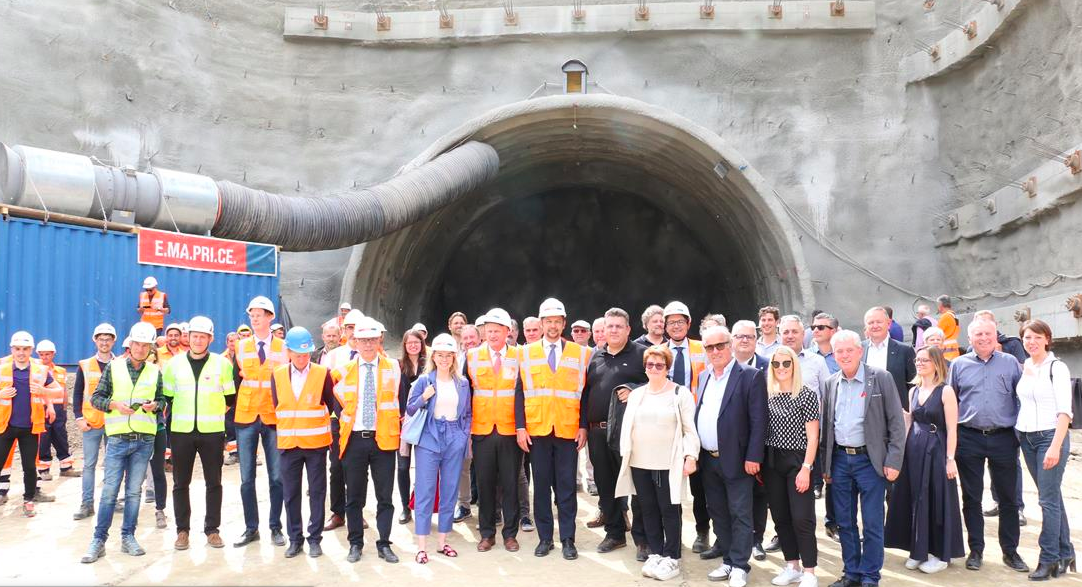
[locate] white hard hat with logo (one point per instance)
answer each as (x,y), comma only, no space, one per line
(551,307)
(174,326)
(103,328)
(498,316)
(353,318)
(150,283)
(143,332)
(261,303)
(201,324)
(366,328)
(444,343)
(675,308)
(46,346)
(22,338)
(184,327)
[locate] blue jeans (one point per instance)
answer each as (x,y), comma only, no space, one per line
(249,436)
(92,442)
(124,459)
(1055,538)
(853,477)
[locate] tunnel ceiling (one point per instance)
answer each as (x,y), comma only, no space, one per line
(596,145)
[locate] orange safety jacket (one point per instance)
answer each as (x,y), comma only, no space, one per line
(552,397)
(493,393)
(59,396)
(253,395)
(303,422)
(348,382)
(94,417)
(38,374)
(152,311)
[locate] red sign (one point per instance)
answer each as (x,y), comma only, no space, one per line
(173,249)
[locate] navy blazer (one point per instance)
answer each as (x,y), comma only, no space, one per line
(900,364)
(415,403)
(761,362)
(742,420)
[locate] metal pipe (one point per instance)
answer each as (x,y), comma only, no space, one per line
(35,214)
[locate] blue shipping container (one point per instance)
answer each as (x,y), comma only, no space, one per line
(59,281)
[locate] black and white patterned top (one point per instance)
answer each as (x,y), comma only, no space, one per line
(788,415)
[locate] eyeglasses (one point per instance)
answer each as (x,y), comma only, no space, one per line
(744,336)
(680,322)
(650,366)
(713,348)
(822,327)
(921,360)
(782,364)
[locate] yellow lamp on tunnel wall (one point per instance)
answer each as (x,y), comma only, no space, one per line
(575,73)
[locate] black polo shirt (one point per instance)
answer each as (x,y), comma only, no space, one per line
(605,372)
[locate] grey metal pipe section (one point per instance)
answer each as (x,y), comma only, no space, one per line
(341,220)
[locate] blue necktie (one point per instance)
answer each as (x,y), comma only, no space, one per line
(678,374)
(262,353)
(352,355)
(368,413)
(552,358)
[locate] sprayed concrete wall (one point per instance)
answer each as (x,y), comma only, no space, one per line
(867,163)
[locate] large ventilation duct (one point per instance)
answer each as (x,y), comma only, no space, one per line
(76,185)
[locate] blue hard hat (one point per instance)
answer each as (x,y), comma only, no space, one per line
(299,340)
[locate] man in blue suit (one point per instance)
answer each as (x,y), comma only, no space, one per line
(731,418)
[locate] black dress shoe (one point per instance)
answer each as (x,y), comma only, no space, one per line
(1067,564)
(1044,572)
(642,553)
(570,552)
(845,582)
(711,554)
(315,550)
(973,562)
(773,546)
(405,517)
(700,543)
(278,538)
(757,552)
(543,548)
(294,549)
(610,544)
(1015,562)
(832,533)
(462,513)
(247,538)
(354,554)
(387,554)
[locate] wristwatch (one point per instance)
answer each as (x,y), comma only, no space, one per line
(806,466)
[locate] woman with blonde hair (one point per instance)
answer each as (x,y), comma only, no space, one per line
(924,516)
(792,437)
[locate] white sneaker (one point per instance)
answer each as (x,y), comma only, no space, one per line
(648,567)
(721,573)
(933,565)
(738,578)
(912,564)
(787,575)
(809,580)
(667,568)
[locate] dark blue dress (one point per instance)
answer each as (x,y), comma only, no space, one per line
(924,517)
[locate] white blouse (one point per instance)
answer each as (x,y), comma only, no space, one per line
(1044,392)
(446,406)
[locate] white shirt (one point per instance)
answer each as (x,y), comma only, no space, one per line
(814,371)
(362,373)
(1044,392)
(446,406)
(297,379)
(687,361)
(710,407)
(338,356)
(877,354)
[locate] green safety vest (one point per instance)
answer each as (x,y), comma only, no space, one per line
(203,408)
(124,391)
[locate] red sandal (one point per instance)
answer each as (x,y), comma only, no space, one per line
(421,558)
(447,551)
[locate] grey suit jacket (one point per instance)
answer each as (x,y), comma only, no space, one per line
(884,424)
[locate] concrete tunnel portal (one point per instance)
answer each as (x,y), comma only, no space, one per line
(599,201)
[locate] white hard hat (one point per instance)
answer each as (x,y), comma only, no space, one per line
(421,327)
(444,342)
(184,327)
(353,318)
(262,303)
(380,327)
(22,338)
(479,321)
(277,326)
(143,332)
(127,343)
(174,326)
(551,307)
(366,328)
(674,308)
(103,328)
(498,316)
(46,346)
(580,324)
(201,324)
(149,283)
(345,306)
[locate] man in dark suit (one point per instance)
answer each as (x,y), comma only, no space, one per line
(731,418)
(863,438)
(744,351)
(884,353)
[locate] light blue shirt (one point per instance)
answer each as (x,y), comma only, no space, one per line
(849,410)
(767,350)
(986,390)
(710,407)
(813,371)
(832,363)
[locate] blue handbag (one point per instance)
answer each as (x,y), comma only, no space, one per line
(413,426)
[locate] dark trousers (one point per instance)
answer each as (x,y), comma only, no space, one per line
(338,477)
(793,512)
(729,502)
(497,460)
(660,517)
(606,469)
(293,463)
(157,469)
(554,461)
(1000,450)
(208,446)
(56,435)
(760,502)
(698,503)
(28,449)
(404,483)
(362,454)
(1017,487)
(231,430)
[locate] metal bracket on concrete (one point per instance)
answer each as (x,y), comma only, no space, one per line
(967,42)
(775,10)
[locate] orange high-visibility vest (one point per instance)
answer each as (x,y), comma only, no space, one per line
(38,375)
(164,354)
(552,398)
(348,388)
(493,393)
(94,417)
(150,313)
(948,323)
(302,422)
(254,396)
(59,396)
(697,356)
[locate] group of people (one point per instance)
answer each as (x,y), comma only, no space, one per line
(756,418)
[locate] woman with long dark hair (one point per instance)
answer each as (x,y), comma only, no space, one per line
(414,359)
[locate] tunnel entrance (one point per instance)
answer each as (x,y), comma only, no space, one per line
(600,201)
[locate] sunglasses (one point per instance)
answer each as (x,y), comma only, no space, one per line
(650,366)
(822,327)
(717,346)
(782,364)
